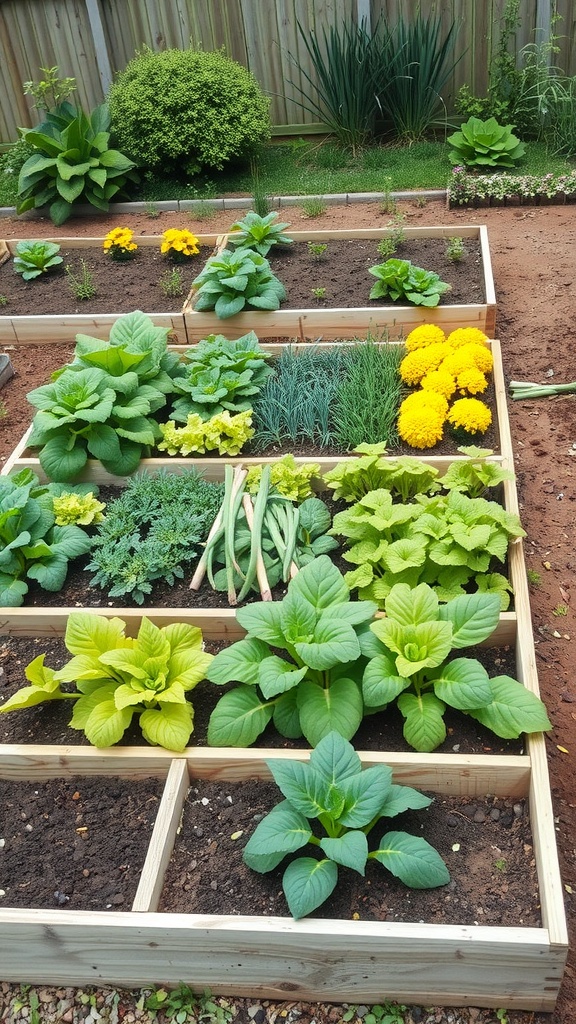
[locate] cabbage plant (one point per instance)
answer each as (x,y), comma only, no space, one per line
(233,281)
(485,144)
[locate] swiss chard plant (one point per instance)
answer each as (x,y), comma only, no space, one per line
(72,163)
(259,233)
(333,804)
(118,677)
(413,668)
(235,280)
(100,405)
(219,374)
(401,280)
(32,546)
(34,258)
(314,685)
(485,144)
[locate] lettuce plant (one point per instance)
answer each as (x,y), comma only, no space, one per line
(313,688)
(400,280)
(218,374)
(34,258)
(259,233)
(404,477)
(100,405)
(118,676)
(32,546)
(287,477)
(80,509)
(233,281)
(416,636)
(485,144)
(333,804)
(223,433)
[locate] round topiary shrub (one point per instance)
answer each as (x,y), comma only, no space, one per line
(187,110)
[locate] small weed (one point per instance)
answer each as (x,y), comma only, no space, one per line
(388,246)
(388,204)
(3,409)
(317,250)
(502,1016)
(314,207)
(559,610)
(501,864)
(81,285)
(182,1006)
(534,577)
(319,293)
(204,211)
(385,1013)
(421,202)
(171,283)
(152,210)
(3,300)
(455,250)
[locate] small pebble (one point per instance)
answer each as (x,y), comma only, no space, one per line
(204,801)
(214,886)
(518,810)
(479,816)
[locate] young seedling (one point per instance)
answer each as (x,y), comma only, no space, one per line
(534,578)
(3,300)
(317,250)
(455,250)
(152,210)
(319,293)
(81,285)
(560,610)
(172,283)
(313,207)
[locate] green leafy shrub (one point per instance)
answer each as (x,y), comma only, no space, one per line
(36,257)
(314,688)
(118,676)
(219,374)
(72,163)
(417,635)
(485,144)
(333,803)
(259,233)
(232,281)
(32,545)
(399,279)
(151,531)
(101,403)
(186,110)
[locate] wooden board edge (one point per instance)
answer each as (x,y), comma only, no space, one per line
(162,838)
(543,824)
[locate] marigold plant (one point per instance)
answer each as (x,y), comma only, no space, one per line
(425,399)
(421,361)
(179,244)
(424,335)
(470,415)
(421,427)
(472,380)
(440,381)
(481,356)
(119,245)
(465,336)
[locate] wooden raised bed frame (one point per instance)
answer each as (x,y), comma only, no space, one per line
(348,323)
(49,329)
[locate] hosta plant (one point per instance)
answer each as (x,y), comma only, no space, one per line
(259,233)
(219,374)
(485,144)
(233,281)
(400,280)
(413,668)
(34,258)
(72,163)
(333,804)
(300,664)
(117,677)
(32,545)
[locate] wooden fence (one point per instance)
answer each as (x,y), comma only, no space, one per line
(91,40)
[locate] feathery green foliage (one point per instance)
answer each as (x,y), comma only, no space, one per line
(367,399)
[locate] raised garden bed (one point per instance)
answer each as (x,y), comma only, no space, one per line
(45,311)
(346,320)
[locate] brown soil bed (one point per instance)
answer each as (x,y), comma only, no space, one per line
(120,286)
(343,272)
(76,844)
(48,723)
(486,845)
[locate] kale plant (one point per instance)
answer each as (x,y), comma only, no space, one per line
(151,531)
(219,374)
(233,281)
(333,804)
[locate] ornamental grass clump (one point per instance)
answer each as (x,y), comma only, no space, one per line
(119,245)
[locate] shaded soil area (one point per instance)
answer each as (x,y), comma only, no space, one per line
(533,251)
(486,845)
(76,844)
(48,723)
(120,287)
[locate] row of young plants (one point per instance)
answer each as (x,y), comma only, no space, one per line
(469,189)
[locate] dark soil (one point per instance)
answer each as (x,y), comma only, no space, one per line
(486,845)
(76,844)
(120,286)
(48,723)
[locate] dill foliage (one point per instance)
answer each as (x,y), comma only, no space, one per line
(151,530)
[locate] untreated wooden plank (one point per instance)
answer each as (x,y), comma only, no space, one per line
(162,839)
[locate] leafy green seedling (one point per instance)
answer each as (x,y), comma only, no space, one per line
(259,233)
(34,258)
(333,804)
(313,207)
(534,577)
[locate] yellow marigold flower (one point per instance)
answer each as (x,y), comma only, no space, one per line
(421,361)
(424,335)
(431,400)
(440,381)
(421,428)
(118,243)
(466,336)
(482,356)
(459,361)
(471,415)
(472,380)
(179,241)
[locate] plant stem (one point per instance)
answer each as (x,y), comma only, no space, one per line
(260,567)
